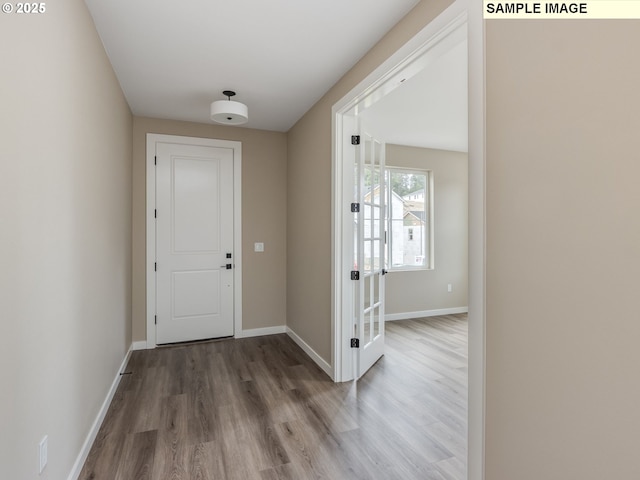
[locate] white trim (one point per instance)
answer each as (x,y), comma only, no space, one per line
(259,332)
(343,362)
(391,317)
(237,233)
(321,362)
(97,423)
(477,243)
(152,139)
(389,70)
(140,345)
(408,60)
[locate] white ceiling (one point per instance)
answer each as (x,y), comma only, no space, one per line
(428,110)
(173,58)
(281,56)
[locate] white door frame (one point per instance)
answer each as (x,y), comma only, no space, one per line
(152,139)
(401,65)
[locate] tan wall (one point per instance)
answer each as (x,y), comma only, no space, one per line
(563,250)
(422,290)
(65,235)
(264,205)
(309,191)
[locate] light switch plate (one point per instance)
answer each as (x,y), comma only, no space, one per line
(258,247)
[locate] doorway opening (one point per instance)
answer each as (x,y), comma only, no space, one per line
(373,113)
(440,35)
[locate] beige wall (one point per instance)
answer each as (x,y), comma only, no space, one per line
(309,191)
(423,290)
(563,250)
(264,205)
(65,235)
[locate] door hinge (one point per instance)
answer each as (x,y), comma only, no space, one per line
(355,139)
(355,275)
(155,213)
(155,266)
(155,319)
(155,160)
(355,343)
(355,207)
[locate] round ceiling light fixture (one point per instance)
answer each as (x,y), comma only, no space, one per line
(229,112)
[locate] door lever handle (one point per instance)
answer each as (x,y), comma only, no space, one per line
(228,266)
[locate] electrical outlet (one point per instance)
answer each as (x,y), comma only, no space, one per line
(449,288)
(43,452)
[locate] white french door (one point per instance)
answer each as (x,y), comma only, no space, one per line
(369,251)
(194,242)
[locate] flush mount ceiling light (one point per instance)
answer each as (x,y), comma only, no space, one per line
(228,111)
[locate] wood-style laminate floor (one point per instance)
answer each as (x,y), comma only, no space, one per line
(259,408)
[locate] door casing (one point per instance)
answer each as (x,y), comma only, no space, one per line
(236,147)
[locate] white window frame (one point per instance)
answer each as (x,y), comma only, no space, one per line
(428,237)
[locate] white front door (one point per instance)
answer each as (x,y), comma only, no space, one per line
(369,251)
(194,242)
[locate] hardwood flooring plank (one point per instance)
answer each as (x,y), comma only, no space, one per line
(172,453)
(218,378)
(452,468)
(408,443)
(270,453)
(324,400)
(202,414)
(281,472)
(450,439)
(138,458)
(302,447)
(275,398)
(206,461)
(153,386)
(238,449)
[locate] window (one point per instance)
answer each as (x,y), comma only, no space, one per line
(409,221)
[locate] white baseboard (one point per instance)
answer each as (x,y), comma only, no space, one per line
(425,313)
(326,368)
(93,432)
(258,332)
(141,345)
